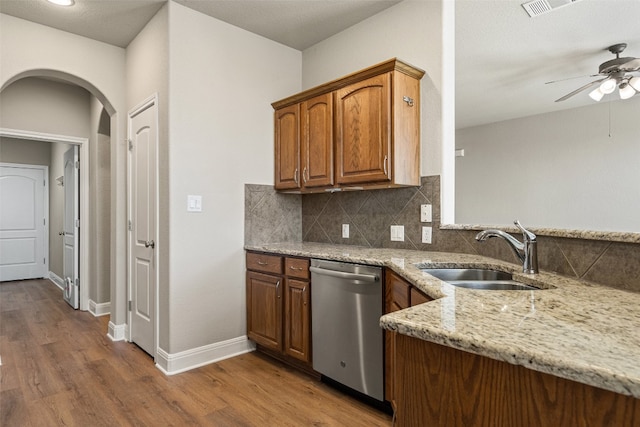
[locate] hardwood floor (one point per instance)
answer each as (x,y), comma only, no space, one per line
(60,368)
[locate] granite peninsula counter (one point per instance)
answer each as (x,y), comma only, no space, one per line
(575,330)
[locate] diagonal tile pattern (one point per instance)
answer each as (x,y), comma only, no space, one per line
(272,217)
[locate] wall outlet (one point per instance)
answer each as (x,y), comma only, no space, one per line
(397,233)
(426,234)
(426,213)
(345,231)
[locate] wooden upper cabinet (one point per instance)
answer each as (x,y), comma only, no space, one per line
(362,130)
(317,141)
(287,148)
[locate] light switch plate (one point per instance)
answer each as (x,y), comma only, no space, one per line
(426,235)
(397,233)
(345,231)
(426,213)
(194,203)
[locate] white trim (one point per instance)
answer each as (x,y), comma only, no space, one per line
(99,308)
(83,144)
(116,332)
(147,103)
(171,364)
(57,280)
(448,170)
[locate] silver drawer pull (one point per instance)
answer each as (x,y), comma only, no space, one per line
(263,263)
(291,267)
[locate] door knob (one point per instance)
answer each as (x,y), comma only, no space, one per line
(150,244)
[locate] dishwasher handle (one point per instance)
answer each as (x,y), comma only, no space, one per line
(343,275)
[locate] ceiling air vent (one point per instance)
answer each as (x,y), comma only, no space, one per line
(538,7)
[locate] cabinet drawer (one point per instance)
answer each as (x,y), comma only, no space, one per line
(297,267)
(397,292)
(264,263)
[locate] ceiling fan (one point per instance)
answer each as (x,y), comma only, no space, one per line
(617,72)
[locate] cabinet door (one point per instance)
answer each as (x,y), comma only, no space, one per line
(264,309)
(363,117)
(297,303)
(287,148)
(317,141)
(396,295)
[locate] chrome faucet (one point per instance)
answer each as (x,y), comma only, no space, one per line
(527,251)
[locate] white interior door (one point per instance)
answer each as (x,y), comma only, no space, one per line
(23,218)
(71,232)
(142,236)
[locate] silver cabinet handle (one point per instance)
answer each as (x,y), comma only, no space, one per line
(277,288)
(150,244)
(344,275)
(263,263)
(386,160)
(305,172)
(295,176)
(291,267)
(62,233)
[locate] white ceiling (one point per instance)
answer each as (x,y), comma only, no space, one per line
(295,23)
(503,57)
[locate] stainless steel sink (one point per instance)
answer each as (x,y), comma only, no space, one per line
(478,278)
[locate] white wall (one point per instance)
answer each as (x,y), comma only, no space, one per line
(555,170)
(100,203)
(148,75)
(29,49)
(222,82)
(52,107)
(411,31)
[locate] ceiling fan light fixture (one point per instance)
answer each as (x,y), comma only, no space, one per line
(634,82)
(62,2)
(626,91)
(608,86)
(596,94)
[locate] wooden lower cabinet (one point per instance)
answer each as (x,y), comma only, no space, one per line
(441,386)
(297,319)
(398,294)
(264,309)
(279,305)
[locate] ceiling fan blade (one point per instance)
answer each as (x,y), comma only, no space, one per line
(585,87)
(633,65)
(571,78)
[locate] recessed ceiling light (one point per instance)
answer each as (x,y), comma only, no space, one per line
(62,2)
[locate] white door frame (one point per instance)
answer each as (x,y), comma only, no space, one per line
(150,101)
(83,145)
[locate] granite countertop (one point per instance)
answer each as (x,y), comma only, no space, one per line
(575,330)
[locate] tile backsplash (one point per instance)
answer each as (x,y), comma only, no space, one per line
(272,217)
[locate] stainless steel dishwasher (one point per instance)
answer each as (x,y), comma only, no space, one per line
(346,305)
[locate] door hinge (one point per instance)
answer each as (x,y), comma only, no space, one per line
(130,226)
(44,221)
(78,283)
(77,164)
(129,305)
(44,260)
(77,223)
(130,144)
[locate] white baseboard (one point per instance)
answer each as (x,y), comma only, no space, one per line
(176,363)
(116,332)
(99,309)
(57,280)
